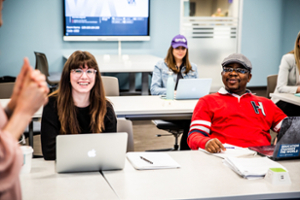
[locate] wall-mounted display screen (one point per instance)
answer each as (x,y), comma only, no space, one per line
(92,20)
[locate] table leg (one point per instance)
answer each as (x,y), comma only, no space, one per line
(145,83)
(131,82)
(30,138)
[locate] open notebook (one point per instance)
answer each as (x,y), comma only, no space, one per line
(151,160)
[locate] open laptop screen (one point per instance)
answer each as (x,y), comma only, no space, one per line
(288,144)
(90,152)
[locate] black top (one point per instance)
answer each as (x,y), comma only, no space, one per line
(179,76)
(51,126)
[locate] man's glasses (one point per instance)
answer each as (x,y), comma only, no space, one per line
(237,70)
(79,72)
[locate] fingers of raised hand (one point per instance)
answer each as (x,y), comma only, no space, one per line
(40,79)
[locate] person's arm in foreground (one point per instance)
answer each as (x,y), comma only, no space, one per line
(31,93)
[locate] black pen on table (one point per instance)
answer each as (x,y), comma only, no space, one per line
(146,160)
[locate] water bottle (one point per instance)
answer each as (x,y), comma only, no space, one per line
(170,86)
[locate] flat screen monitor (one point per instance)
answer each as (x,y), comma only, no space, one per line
(114,20)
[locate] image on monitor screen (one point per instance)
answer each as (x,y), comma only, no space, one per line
(104,19)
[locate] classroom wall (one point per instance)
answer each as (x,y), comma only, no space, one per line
(269,28)
(290,24)
(261,37)
(35,25)
(268,32)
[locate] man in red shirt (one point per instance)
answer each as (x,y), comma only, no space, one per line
(233,115)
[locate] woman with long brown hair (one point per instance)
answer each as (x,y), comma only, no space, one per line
(177,61)
(78,105)
(288,80)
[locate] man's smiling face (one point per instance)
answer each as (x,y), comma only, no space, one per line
(235,81)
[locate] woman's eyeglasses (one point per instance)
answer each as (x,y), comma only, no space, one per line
(79,72)
(237,70)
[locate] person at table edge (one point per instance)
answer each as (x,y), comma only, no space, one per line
(78,106)
(233,115)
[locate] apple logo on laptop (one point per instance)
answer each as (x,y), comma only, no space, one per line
(91,153)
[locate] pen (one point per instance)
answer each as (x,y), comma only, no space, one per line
(229,147)
(146,160)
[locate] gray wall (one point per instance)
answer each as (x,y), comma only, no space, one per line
(268,31)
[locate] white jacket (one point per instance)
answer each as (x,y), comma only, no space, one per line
(288,76)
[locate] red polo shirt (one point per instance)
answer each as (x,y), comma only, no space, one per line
(238,120)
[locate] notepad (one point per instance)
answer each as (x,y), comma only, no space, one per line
(151,160)
(233,151)
(251,168)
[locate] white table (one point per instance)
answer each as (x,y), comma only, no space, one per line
(137,108)
(128,64)
(201,176)
(152,107)
(44,183)
(287,97)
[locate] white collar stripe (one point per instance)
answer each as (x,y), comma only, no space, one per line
(201,122)
(202,128)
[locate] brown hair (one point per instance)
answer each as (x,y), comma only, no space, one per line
(296,51)
(65,104)
(170,61)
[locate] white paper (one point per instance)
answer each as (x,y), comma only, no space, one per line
(233,151)
(251,167)
(159,160)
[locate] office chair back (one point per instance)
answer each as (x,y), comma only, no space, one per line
(6,90)
(41,63)
(124,125)
(111,85)
(271,84)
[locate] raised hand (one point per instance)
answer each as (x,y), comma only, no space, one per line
(32,75)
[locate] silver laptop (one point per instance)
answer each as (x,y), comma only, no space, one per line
(90,152)
(193,88)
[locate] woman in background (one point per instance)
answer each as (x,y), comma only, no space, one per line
(177,61)
(288,80)
(78,106)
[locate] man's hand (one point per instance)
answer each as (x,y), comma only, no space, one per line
(214,146)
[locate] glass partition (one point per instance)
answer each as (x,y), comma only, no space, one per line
(212,29)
